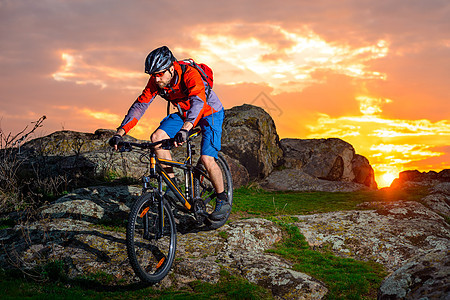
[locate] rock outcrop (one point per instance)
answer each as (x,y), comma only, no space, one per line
(249,135)
(438,184)
(328,159)
(79,156)
(299,181)
(388,233)
(416,178)
(321,165)
(409,239)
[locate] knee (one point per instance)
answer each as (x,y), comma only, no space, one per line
(207,160)
(158,135)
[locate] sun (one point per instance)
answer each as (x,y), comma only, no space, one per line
(387,179)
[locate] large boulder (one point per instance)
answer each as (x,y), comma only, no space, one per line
(249,135)
(79,157)
(329,159)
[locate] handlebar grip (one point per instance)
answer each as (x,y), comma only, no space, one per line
(168,144)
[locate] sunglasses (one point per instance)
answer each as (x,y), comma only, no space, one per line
(159,74)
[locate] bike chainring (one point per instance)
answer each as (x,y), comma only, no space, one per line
(199,209)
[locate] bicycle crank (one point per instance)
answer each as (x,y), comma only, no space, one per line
(199,209)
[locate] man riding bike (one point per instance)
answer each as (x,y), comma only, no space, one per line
(197,105)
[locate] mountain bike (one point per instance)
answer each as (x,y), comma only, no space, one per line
(151,235)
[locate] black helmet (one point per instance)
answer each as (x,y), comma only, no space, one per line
(159,60)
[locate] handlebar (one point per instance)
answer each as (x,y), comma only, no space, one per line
(166,143)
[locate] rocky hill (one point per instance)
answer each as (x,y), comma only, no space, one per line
(410,239)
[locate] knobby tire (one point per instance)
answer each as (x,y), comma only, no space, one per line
(151,257)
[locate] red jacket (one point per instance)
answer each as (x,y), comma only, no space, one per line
(192,100)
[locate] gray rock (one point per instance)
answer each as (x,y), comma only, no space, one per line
(329,159)
(238,172)
(249,135)
(439,198)
(94,204)
(299,181)
(441,188)
(414,178)
(425,276)
(390,233)
(80,157)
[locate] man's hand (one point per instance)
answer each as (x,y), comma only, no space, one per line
(115,140)
(181,137)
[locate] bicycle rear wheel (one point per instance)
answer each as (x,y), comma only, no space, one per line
(204,189)
(150,251)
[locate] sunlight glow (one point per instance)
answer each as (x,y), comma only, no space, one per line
(386,179)
(389,144)
(292,54)
(101,115)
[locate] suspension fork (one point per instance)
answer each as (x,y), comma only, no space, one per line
(160,224)
(188,174)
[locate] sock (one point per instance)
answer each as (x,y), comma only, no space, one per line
(222,196)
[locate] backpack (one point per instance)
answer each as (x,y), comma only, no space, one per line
(205,71)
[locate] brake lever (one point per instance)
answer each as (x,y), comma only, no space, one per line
(124,147)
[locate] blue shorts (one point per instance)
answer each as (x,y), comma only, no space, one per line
(211,130)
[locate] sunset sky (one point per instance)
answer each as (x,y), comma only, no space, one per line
(373,73)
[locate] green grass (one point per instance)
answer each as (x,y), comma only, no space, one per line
(345,278)
(257,202)
(93,287)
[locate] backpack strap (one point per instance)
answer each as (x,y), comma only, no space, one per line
(202,74)
(184,89)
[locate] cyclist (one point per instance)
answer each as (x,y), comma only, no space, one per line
(197,105)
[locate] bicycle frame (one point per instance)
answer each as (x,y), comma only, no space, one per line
(152,218)
(157,171)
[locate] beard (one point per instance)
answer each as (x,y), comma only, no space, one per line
(163,84)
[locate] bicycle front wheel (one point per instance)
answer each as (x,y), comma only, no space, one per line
(151,251)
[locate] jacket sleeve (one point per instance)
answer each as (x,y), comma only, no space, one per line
(139,107)
(196,96)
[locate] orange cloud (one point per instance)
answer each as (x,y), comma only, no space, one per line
(76,69)
(301,54)
(389,144)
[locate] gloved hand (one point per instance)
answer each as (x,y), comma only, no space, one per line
(181,136)
(115,140)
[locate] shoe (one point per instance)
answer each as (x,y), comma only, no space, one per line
(220,211)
